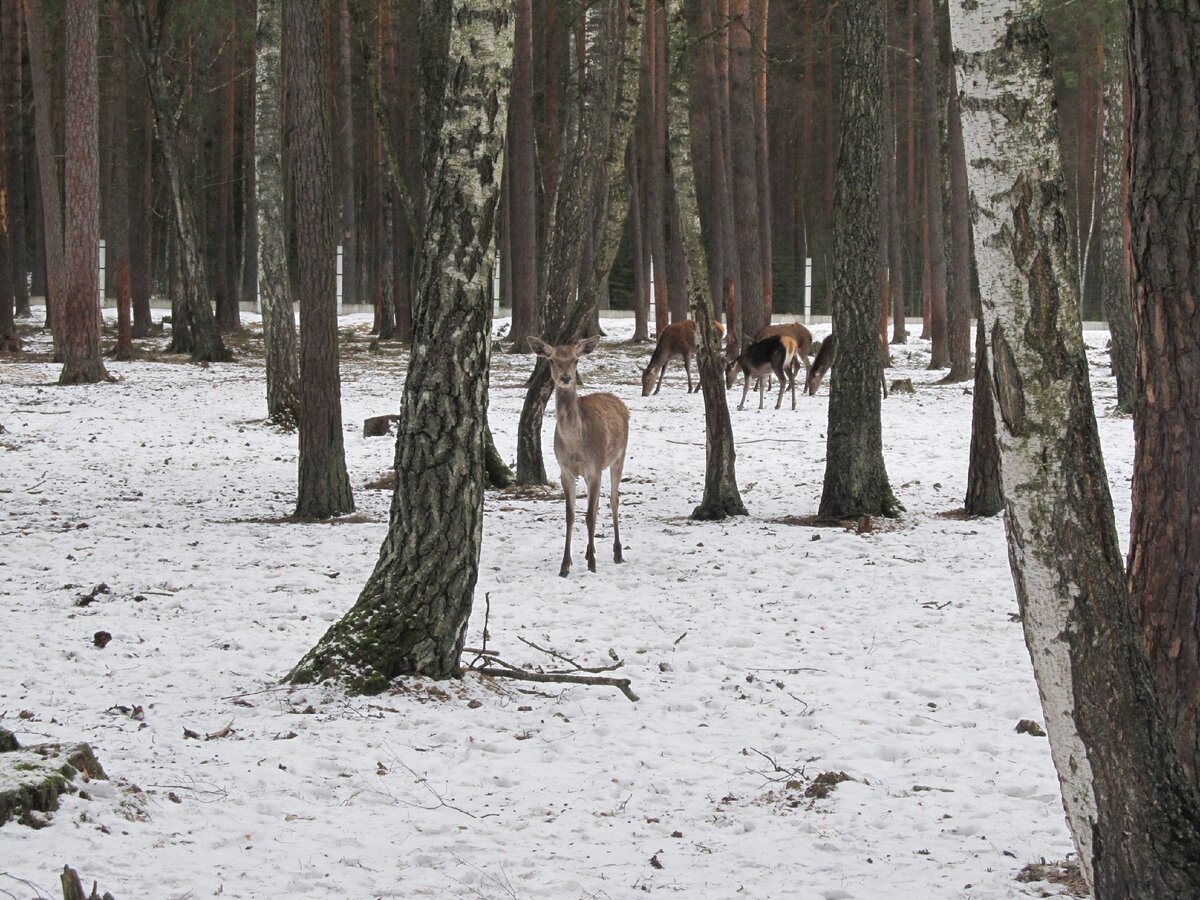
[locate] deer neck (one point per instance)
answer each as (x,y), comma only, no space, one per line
(567,410)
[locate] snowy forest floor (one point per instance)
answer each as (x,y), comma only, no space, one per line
(766,653)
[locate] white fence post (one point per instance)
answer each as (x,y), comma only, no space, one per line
(102,272)
(339,279)
(808,290)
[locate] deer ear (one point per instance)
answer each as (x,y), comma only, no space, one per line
(538,346)
(585,347)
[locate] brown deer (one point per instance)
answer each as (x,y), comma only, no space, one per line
(797,331)
(822,364)
(590,435)
(776,354)
(675,341)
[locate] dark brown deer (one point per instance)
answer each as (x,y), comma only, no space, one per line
(797,331)
(678,340)
(822,364)
(772,354)
(590,435)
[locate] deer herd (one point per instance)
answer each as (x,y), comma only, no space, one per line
(591,432)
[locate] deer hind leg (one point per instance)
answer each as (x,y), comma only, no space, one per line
(782,374)
(593,489)
(687,367)
(614,501)
(568,483)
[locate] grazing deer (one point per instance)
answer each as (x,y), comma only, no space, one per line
(772,354)
(590,435)
(797,331)
(822,364)
(674,341)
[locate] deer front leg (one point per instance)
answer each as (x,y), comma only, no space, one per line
(593,489)
(745,390)
(614,503)
(687,367)
(568,484)
(661,372)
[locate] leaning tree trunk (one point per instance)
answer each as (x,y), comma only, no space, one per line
(411,617)
(592,183)
(1133,812)
(79,324)
(324,486)
(206,343)
(274,287)
(856,481)
(1164,550)
(1114,263)
(721,496)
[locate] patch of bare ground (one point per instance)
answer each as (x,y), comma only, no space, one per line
(357,518)
(530,492)
(1064,874)
(860,525)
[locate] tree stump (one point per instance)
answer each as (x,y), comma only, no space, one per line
(32,778)
(379,426)
(73,890)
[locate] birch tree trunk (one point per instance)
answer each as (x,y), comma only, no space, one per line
(856,481)
(1164,209)
(592,183)
(411,617)
(1133,812)
(721,496)
(274,286)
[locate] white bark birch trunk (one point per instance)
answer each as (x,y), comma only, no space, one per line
(1133,814)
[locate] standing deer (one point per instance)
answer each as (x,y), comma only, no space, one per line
(772,354)
(797,331)
(675,341)
(590,435)
(822,364)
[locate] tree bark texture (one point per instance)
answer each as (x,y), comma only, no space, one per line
(412,615)
(1116,297)
(519,167)
(721,497)
(79,323)
(274,286)
(324,485)
(932,165)
(985,496)
(51,194)
(592,183)
(15,159)
(345,137)
(206,344)
(744,164)
(1134,814)
(856,481)
(1164,553)
(141,232)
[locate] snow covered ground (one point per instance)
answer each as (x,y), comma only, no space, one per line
(765,654)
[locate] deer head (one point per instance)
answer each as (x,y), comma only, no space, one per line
(563,359)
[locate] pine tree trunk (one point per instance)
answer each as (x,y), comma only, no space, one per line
(1114,263)
(1164,551)
(724,247)
(637,241)
(274,286)
(80,322)
(412,615)
(141,233)
(656,187)
(721,496)
(522,232)
(758,13)
(206,343)
(53,250)
(119,221)
(324,486)
(932,174)
(744,164)
(856,481)
(15,161)
(346,183)
(960,306)
(8,329)
(1133,812)
(984,494)
(225,278)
